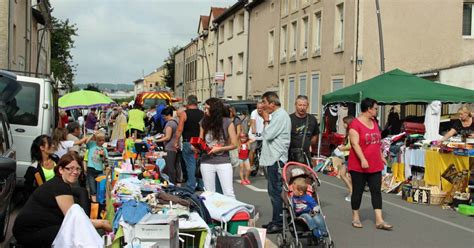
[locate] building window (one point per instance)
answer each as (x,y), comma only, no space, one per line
(339,32)
(291,94)
(314,93)
(304,37)
(221,33)
(271,46)
(337,84)
(284,7)
(317,33)
(283,43)
(241,23)
(221,65)
(240,68)
(293,40)
(231,65)
(230,30)
(303,90)
(467,21)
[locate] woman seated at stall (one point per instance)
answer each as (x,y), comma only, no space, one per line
(42,164)
(463,126)
(40,219)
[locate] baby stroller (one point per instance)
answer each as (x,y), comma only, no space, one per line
(296,232)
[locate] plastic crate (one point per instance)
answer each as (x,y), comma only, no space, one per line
(467,210)
(239,219)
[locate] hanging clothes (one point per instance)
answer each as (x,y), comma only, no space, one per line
(331,117)
(432,119)
(341,113)
(120,127)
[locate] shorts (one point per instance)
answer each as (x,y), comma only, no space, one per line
(92,174)
(244,160)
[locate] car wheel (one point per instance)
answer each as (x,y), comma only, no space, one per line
(4,220)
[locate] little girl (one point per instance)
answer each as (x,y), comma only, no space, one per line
(244,158)
(341,164)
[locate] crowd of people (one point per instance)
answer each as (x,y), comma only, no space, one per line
(63,172)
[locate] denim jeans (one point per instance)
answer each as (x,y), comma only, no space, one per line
(274,191)
(316,224)
(190,161)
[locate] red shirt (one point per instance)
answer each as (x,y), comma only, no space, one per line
(64,120)
(244,151)
(369,142)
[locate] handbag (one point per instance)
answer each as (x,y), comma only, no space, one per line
(298,154)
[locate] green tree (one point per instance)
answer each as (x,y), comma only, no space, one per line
(92,87)
(75,88)
(169,65)
(62,65)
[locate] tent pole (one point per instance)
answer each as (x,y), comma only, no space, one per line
(320,136)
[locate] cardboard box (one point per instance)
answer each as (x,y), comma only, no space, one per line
(421,195)
(162,231)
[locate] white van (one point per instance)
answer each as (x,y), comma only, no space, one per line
(31,113)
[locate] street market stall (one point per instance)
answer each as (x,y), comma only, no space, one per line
(419,163)
(147,210)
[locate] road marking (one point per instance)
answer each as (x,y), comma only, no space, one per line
(410,210)
(251,187)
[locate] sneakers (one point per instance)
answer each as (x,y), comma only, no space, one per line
(348,198)
(245,182)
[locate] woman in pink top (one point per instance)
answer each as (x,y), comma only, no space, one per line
(366,162)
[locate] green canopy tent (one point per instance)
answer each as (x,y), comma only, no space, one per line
(398,87)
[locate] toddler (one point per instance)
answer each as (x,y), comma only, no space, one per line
(306,207)
(244,158)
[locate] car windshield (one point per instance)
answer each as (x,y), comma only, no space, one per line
(152,102)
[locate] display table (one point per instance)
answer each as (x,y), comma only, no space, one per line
(436,163)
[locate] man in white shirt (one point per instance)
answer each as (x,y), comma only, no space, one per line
(256,129)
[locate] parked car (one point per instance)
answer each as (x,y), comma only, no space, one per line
(32,111)
(9,87)
(242,107)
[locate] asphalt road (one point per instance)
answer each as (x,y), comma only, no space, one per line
(414,225)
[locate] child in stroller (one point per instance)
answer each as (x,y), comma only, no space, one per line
(303,217)
(307,209)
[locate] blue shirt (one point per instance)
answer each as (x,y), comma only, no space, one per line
(303,204)
(276,139)
(94,157)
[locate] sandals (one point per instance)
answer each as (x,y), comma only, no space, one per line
(357,224)
(384,226)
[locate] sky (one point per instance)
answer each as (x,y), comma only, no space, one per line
(119,40)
